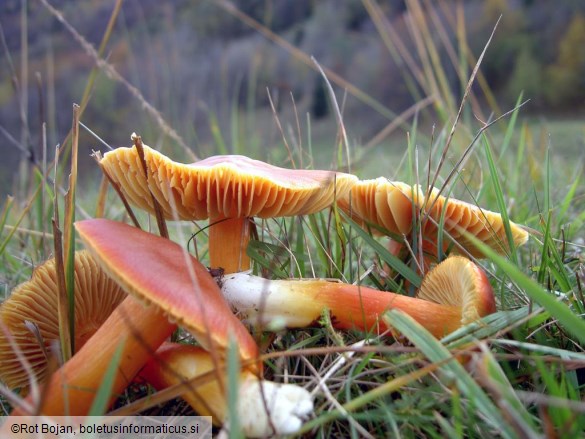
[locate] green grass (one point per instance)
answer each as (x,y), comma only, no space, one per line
(517,373)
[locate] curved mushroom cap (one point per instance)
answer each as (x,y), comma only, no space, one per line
(382,203)
(160,272)
(461,217)
(35,301)
(229,186)
(459,282)
(390,205)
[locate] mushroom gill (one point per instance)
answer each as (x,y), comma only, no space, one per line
(33,304)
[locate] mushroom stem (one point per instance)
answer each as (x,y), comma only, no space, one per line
(71,390)
(299,303)
(455,293)
(261,405)
(228,240)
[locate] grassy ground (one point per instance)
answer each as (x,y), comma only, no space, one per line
(524,368)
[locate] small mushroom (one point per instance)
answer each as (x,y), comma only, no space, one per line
(461,218)
(261,405)
(461,283)
(29,315)
(159,272)
(453,294)
(226,189)
(394,207)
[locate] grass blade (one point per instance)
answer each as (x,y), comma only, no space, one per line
(487,327)
(5,212)
(368,397)
(68,228)
(103,397)
(510,129)
(19,220)
(495,381)
(569,197)
(233,386)
(500,199)
(268,257)
(387,257)
(573,323)
(438,353)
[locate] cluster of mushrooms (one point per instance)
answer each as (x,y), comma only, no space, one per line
(133,289)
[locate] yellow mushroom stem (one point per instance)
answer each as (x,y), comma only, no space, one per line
(264,408)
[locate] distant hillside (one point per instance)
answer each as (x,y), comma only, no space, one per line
(198,64)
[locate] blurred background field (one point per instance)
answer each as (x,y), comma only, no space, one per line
(211,67)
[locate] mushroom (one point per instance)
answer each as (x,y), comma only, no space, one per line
(459,282)
(72,388)
(453,294)
(261,404)
(461,218)
(28,318)
(163,283)
(226,189)
(393,208)
(386,206)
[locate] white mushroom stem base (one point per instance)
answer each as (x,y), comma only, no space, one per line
(264,408)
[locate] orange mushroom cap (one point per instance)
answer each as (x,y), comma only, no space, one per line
(383,203)
(390,205)
(222,186)
(159,272)
(460,218)
(35,301)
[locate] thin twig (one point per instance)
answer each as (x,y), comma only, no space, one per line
(158,212)
(460,111)
(337,112)
(103,142)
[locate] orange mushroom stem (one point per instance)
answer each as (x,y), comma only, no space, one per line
(264,408)
(71,390)
(228,241)
(456,293)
